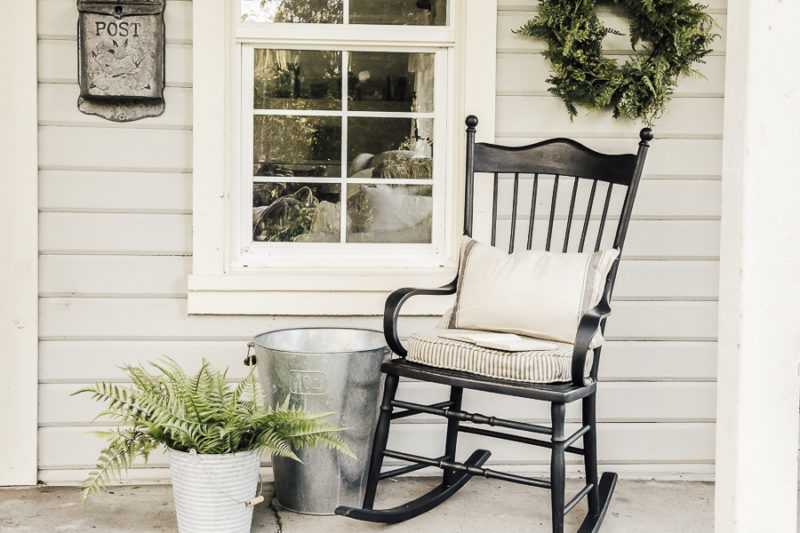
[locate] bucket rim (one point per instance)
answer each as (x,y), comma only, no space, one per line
(382,347)
(242,453)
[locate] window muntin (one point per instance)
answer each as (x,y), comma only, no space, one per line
(313,151)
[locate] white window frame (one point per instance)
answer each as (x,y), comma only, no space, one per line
(220,283)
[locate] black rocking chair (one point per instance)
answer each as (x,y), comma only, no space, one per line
(559,158)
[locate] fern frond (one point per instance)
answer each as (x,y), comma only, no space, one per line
(170,368)
(115,396)
(116,459)
(269,442)
(303,430)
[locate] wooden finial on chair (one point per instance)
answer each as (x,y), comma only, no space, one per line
(471,122)
(646,135)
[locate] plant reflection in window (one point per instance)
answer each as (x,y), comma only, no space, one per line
(297,79)
(296,146)
(405,12)
(298,11)
(296,212)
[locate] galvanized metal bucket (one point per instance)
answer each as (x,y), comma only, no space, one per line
(211,491)
(324,370)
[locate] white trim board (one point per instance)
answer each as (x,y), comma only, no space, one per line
(758,387)
(19,242)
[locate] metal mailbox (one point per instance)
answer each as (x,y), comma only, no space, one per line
(121,58)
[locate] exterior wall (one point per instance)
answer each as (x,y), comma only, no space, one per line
(115,243)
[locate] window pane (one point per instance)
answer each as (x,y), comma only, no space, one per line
(382,81)
(314,11)
(416,12)
(390,148)
(296,212)
(297,79)
(389,213)
(297,146)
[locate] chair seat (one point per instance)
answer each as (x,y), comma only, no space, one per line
(543,366)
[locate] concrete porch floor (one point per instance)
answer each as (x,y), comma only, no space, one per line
(482,506)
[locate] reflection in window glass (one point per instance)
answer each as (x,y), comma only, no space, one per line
(299,139)
(309,11)
(389,213)
(390,148)
(411,12)
(297,79)
(296,146)
(399,82)
(296,212)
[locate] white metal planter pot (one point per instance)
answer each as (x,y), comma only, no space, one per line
(211,491)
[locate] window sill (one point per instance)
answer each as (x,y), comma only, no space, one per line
(314,292)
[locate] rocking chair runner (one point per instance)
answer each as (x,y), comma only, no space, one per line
(559,158)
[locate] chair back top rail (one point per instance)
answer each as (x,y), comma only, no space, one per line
(564,157)
(569,168)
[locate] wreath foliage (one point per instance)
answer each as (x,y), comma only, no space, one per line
(667,38)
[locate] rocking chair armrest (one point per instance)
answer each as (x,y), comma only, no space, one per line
(590,321)
(393,304)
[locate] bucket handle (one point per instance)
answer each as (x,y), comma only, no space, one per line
(247,503)
(250,359)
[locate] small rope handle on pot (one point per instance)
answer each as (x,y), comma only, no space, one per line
(250,359)
(258,498)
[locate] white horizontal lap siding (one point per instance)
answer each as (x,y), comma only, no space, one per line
(114,148)
(664,310)
(165,318)
(687,117)
(83,233)
(52,112)
(115,191)
(622,402)
(76,361)
(165,276)
(67,447)
(115,244)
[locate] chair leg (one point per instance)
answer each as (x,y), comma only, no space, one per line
(379,442)
(590,452)
(557,467)
(449,476)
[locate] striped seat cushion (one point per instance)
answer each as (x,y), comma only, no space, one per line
(545,366)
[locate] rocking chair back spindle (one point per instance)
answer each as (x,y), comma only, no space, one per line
(544,196)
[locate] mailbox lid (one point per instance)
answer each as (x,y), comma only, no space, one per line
(122,8)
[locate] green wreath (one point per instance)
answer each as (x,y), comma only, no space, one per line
(667,38)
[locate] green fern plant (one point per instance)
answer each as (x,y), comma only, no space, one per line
(201,412)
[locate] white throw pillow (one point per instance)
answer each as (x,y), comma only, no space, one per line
(534,293)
